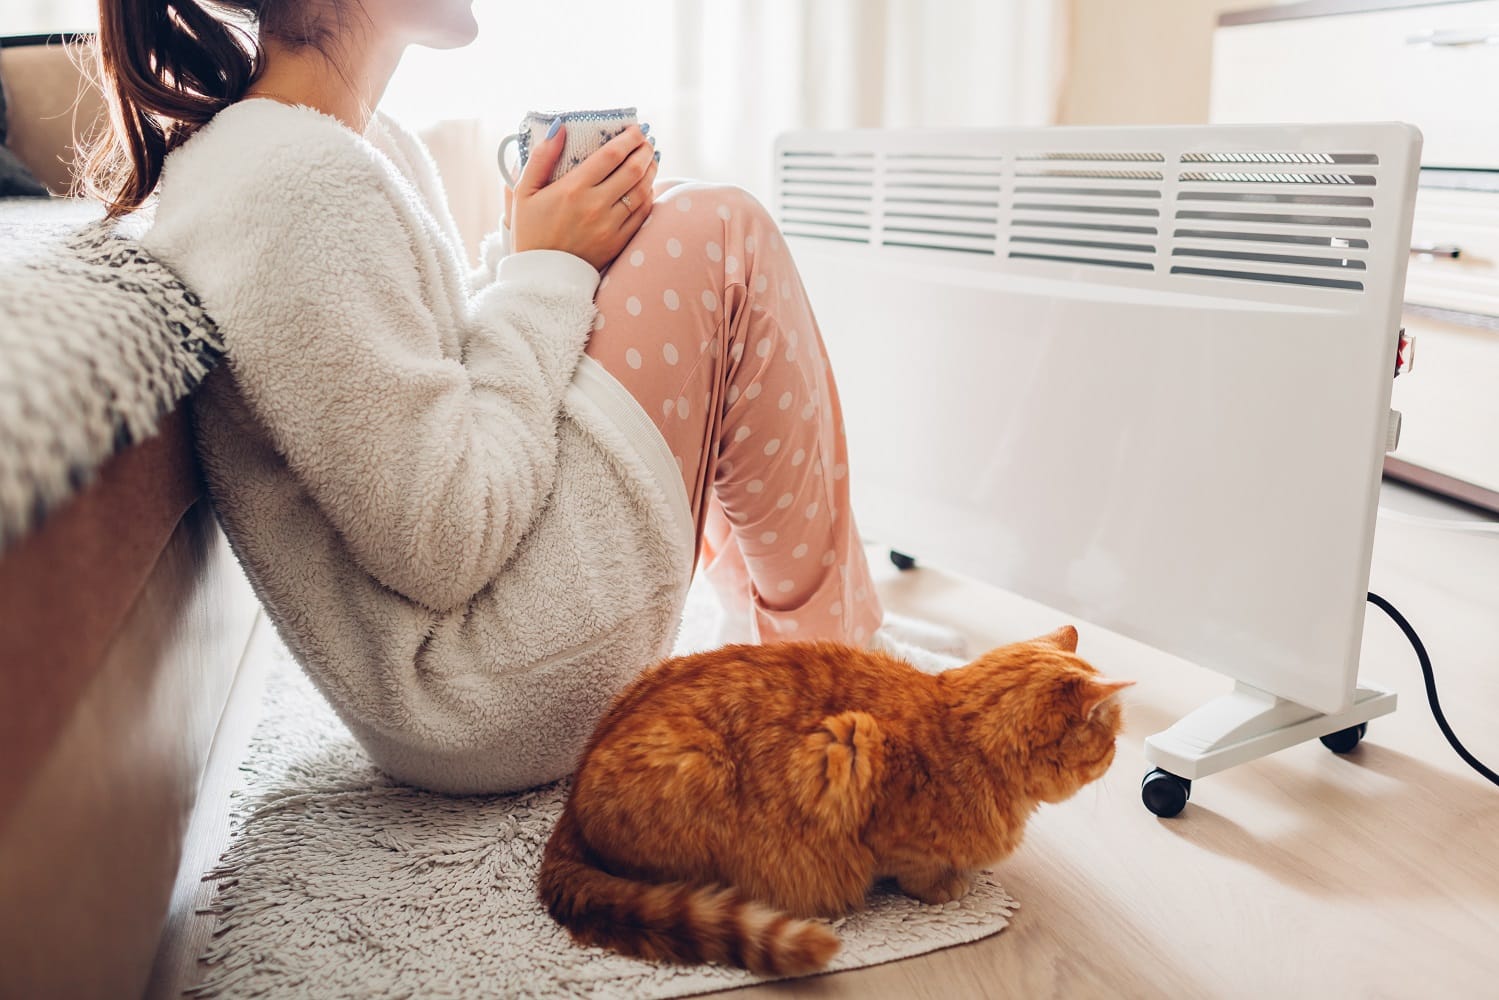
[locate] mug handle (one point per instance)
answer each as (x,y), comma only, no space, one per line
(505,143)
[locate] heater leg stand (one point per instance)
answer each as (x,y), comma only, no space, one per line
(902,561)
(1243,726)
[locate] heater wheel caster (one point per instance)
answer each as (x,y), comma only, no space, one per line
(1164,793)
(902,561)
(1344,740)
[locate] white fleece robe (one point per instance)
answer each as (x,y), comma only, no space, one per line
(466,531)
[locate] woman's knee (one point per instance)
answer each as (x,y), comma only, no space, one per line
(691,205)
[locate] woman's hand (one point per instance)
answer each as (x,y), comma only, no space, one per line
(594,209)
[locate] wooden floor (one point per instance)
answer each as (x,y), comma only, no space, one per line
(1302,875)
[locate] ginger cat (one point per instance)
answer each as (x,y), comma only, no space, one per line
(727,796)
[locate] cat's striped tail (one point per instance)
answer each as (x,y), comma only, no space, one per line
(673,922)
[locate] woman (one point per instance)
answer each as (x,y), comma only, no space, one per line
(472,502)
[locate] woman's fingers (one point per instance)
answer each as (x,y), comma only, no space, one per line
(541,162)
(607,159)
(628,174)
(640,199)
(635,220)
(595,209)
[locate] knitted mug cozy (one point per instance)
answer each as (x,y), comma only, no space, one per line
(587,131)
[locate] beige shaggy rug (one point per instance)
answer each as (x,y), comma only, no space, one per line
(340,883)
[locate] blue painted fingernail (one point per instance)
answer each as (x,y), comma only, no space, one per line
(645,129)
(651,139)
(556,124)
(657,156)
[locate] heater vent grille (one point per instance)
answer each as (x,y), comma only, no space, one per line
(828,196)
(1293,218)
(934,201)
(1094,156)
(1091,211)
(1269,157)
(1256,216)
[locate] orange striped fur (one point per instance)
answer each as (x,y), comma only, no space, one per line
(729,798)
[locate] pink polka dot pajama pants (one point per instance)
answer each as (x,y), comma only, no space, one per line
(704,320)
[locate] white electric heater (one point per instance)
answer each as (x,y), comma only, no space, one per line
(1141,375)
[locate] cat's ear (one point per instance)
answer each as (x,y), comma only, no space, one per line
(1064,638)
(1098,690)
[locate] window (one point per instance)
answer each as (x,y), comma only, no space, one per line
(541,57)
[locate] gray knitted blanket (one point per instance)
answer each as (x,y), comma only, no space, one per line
(98,342)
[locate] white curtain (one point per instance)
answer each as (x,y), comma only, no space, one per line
(45,17)
(750,69)
(719,79)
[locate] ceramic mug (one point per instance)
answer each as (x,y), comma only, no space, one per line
(587,131)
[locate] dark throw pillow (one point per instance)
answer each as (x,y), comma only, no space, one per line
(15,180)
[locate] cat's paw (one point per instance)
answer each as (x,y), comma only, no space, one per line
(944,888)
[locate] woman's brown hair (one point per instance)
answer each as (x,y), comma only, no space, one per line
(167,67)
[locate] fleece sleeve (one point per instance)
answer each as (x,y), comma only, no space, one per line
(421,169)
(430,468)
(495,248)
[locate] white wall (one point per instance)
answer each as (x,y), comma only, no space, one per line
(1141,62)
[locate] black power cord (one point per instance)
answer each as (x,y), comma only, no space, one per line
(1431,687)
